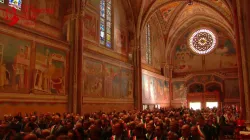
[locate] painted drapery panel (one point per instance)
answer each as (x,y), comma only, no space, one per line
(154,90)
(179,90)
(14,64)
(50,70)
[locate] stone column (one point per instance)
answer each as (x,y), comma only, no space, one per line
(239,60)
(244,40)
(137,76)
(73,72)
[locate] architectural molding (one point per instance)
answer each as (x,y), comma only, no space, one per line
(38,38)
(32,98)
(106,100)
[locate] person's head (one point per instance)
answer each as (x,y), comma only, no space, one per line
(185,131)
(95,133)
(159,130)
(69,125)
(30,137)
(79,126)
(29,127)
(172,136)
(150,128)
(45,133)
(4,129)
(174,126)
(62,137)
(201,121)
(138,131)
(117,129)
(57,119)
(33,119)
(194,131)
(180,123)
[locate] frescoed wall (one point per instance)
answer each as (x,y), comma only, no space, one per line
(179,90)
(232,89)
(90,28)
(102,79)
(14,64)
(156,43)
(185,60)
(93,80)
(50,70)
(155,90)
(31,74)
(223,57)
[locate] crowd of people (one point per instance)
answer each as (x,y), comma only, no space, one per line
(157,124)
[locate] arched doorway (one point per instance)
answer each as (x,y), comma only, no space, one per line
(204,95)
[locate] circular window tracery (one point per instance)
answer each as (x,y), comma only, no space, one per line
(202,41)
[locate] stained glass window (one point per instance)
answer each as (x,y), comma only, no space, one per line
(106,23)
(1,1)
(15,3)
(202,41)
(148,45)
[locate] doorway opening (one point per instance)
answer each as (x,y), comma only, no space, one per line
(195,105)
(212,104)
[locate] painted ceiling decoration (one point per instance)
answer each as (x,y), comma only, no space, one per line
(177,17)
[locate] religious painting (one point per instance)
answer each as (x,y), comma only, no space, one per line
(179,90)
(224,56)
(232,89)
(185,60)
(146,87)
(92,78)
(168,9)
(90,27)
(121,41)
(154,90)
(112,81)
(14,64)
(166,91)
(50,70)
(126,83)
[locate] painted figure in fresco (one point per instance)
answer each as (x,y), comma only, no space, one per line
(4,76)
(130,89)
(96,87)
(110,75)
(19,67)
(146,87)
(183,56)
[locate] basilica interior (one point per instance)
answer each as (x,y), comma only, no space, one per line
(83,56)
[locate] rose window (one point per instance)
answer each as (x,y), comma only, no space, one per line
(202,41)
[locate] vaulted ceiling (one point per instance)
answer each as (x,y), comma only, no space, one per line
(177,16)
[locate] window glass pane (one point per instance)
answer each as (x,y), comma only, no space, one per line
(102,27)
(108,37)
(1,1)
(15,3)
(102,8)
(108,30)
(108,44)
